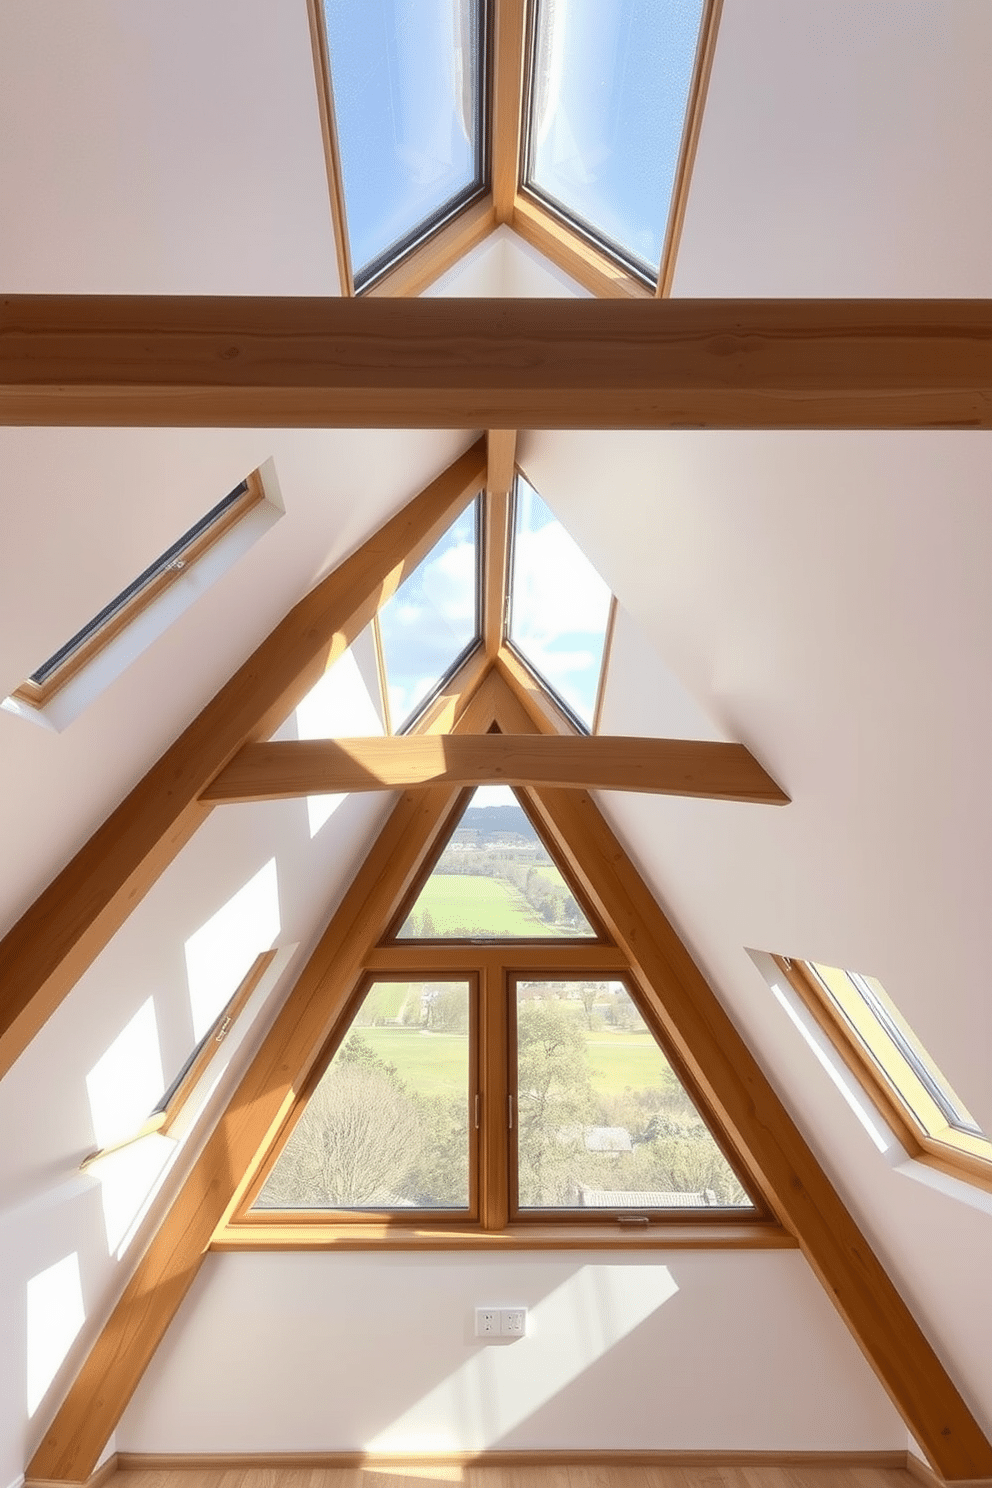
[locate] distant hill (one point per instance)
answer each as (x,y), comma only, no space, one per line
(498,821)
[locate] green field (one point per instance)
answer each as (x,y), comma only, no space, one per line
(478,906)
(619,1060)
(435,1063)
(431,1063)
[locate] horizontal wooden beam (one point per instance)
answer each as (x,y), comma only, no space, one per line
(71,921)
(673,767)
(501,364)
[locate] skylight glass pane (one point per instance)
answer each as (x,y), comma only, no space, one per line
(603,1121)
(432,619)
(495,881)
(869,1012)
(387,1125)
(610,87)
(559,607)
(407,84)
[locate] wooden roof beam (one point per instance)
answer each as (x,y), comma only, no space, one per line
(440,363)
(71,921)
(675,767)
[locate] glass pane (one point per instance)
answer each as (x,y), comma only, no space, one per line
(406,82)
(495,881)
(603,1121)
(611,83)
(432,619)
(559,605)
(869,1011)
(387,1126)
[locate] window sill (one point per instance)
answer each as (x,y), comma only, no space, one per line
(664,1235)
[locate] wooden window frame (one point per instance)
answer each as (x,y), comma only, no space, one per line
(598,264)
(173,1102)
(37,694)
(892,1084)
(392,937)
(494,1219)
(427,253)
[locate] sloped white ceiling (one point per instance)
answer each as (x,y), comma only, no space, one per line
(821,597)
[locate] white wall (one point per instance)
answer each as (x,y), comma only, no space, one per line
(315,1352)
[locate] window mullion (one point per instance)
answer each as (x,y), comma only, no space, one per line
(494,1199)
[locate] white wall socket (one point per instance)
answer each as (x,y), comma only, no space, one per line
(500,1322)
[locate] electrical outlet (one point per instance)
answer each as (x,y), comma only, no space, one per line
(487,1322)
(513,1322)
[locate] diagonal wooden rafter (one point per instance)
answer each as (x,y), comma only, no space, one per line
(675,767)
(758,1125)
(111,1371)
(444,363)
(48,949)
(678,998)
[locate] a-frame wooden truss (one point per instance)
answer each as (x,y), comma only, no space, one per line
(490,689)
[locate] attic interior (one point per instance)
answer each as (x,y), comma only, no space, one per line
(815,598)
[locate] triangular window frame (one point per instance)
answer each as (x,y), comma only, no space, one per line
(494,1215)
(392,937)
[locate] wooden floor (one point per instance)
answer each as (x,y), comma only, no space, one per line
(805,1475)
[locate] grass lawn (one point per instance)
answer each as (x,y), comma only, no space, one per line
(479,906)
(430,1063)
(384,1003)
(620,1059)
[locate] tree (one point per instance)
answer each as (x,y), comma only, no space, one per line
(554,1100)
(588,994)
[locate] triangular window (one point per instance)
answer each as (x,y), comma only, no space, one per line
(559,606)
(603,1120)
(432,621)
(495,880)
(386,1125)
(424,1109)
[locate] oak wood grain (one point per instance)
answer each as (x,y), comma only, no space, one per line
(71,921)
(679,767)
(659,363)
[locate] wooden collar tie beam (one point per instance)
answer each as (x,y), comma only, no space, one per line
(675,767)
(495,364)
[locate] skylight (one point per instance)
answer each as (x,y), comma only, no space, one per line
(409,85)
(124,607)
(559,606)
(928,1116)
(610,84)
(432,620)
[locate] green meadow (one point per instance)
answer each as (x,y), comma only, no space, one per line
(478,906)
(435,1063)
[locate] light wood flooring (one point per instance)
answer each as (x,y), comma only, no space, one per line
(709,1475)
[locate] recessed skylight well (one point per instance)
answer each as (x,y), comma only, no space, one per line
(609,89)
(881,1049)
(60,688)
(410,84)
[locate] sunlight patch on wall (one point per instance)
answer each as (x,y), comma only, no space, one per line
(128,1181)
(341,705)
(125,1083)
(568,1331)
(220,953)
(55,1314)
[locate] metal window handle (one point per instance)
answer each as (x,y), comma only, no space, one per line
(477,1119)
(509,1103)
